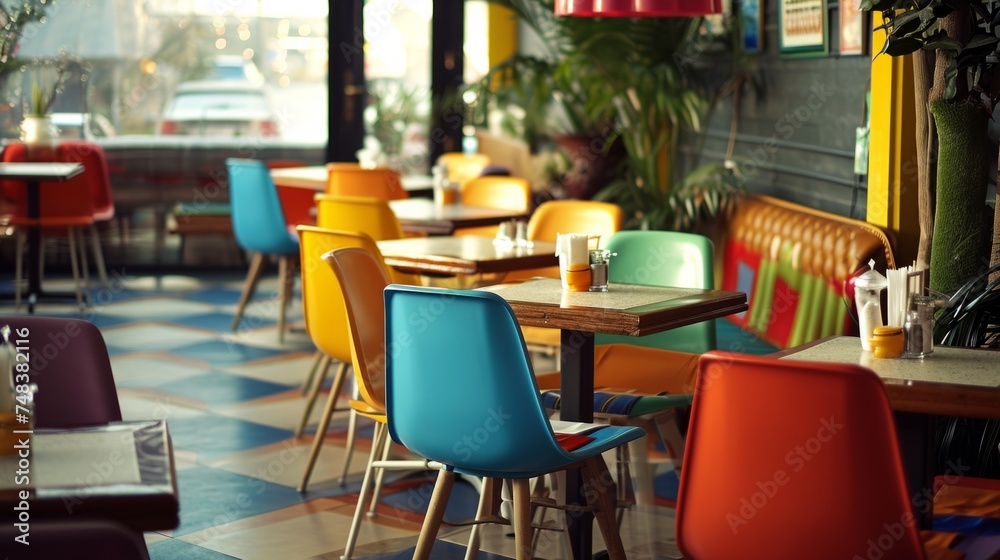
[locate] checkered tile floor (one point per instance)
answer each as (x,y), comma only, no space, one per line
(232,401)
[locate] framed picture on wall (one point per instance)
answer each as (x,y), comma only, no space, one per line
(802,27)
(752,25)
(852,29)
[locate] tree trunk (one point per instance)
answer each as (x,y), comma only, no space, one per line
(961,227)
(995,253)
(926,136)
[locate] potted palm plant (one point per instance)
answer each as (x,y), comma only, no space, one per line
(628,82)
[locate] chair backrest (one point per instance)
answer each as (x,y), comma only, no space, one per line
(70,364)
(74,538)
(506,193)
(350,179)
(574,216)
(371,216)
(322,301)
(459,383)
(258,222)
(95,173)
(664,258)
(361,277)
(73,201)
(792,460)
(463,167)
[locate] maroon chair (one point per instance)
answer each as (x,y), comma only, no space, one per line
(70,365)
(79,538)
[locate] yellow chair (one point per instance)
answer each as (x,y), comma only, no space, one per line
(463,167)
(600,219)
(350,179)
(359,280)
(505,193)
(354,213)
(326,322)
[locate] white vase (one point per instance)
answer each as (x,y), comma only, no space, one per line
(40,137)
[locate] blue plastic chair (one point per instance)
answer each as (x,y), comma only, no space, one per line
(460,391)
(260,228)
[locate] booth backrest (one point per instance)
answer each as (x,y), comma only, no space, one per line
(797,266)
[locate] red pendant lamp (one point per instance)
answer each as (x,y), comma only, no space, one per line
(637,8)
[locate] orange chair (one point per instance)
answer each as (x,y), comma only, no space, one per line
(505,193)
(463,167)
(350,179)
(792,460)
(360,279)
(354,213)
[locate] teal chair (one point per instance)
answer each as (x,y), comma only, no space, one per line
(260,228)
(664,258)
(460,391)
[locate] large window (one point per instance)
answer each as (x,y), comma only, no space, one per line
(124,62)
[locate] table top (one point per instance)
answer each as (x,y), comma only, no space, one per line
(625,309)
(314,177)
(40,170)
(951,381)
(469,254)
(425,216)
(122,471)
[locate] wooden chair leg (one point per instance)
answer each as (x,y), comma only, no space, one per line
(489,507)
(378,440)
(317,386)
(95,245)
(435,513)
(324,423)
(75,266)
(311,376)
(249,287)
(378,479)
(284,293)
(522,518)
(352,429)
(599,484)
(19,241)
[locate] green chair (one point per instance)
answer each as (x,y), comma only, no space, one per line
(664,258)
(657,371)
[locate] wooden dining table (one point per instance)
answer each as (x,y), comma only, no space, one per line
(624,309)
(952,381)
(123,471)
(465,255)
(297,187)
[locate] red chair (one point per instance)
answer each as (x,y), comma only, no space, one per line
(67,208)
(792,460)
(95,172)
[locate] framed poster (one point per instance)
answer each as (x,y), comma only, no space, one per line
(852,29)
(802,27)
(751,25)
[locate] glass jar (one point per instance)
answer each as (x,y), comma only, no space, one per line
(868,288)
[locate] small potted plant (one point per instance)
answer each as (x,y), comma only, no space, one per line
(38,132)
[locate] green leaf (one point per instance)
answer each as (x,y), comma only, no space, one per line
(901,46)
(951,79)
